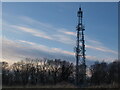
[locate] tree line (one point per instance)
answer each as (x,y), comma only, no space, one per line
(51,72)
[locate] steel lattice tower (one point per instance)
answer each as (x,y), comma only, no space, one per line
(80,50)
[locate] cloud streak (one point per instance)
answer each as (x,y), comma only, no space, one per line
(21,49)
(51,33)
(103,49)
(33,32)
(46,48)
(63,38)
(64,31)
(39,33)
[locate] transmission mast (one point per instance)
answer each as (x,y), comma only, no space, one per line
(80,51)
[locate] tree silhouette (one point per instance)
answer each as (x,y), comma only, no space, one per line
(99,73)
(51,72)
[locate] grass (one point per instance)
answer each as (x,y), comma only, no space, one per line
(59,85)
(64,85)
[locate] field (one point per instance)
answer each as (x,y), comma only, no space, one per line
(64,85)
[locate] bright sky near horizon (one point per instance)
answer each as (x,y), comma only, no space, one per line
(38,30)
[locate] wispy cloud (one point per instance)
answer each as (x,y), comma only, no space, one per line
(62,51)
(64,38)
(39,33)
(34,32)
(20,49)
(41,25)
(46,48)
(57,34)
(92,41)
(102,48)
(96,45)
(65,31)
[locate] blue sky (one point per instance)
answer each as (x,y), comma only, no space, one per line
(39,30)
